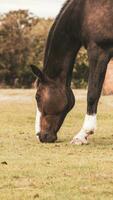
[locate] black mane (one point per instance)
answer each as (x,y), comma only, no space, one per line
(48,42)
(63,8)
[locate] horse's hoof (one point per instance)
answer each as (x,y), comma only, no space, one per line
(78,141)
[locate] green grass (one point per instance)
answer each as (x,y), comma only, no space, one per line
(53,171)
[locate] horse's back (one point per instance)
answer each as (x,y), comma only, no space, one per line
(98,20)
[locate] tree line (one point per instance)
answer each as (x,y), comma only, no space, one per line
(22,41)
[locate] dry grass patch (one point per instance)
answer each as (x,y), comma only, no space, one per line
(29,170)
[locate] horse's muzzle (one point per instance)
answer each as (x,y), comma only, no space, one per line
(47,138)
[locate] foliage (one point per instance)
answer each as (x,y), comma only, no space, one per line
(22,41)
(15,45)
(20,46)
(81,70)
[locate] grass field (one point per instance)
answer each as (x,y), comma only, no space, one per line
(60,171)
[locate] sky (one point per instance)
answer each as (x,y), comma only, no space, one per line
(41,8)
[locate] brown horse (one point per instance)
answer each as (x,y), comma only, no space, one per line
(87,23)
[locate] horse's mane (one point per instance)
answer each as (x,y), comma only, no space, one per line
(52,30)
(62,8)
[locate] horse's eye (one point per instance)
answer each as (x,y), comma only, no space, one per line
(37,97)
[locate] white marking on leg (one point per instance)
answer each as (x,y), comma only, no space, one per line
(37,121)
(90,123)
(89,126)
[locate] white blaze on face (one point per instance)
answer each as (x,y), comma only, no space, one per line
(89,126)
(37,121)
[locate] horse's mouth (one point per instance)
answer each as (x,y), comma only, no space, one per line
(47,138)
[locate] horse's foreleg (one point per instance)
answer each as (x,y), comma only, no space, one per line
(98,60)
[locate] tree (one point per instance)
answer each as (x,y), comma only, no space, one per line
(16,45)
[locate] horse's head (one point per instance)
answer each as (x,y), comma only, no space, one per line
(54,101)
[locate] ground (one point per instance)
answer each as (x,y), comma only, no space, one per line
(31,171)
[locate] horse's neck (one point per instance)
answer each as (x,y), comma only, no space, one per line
(60,61)
(60,51)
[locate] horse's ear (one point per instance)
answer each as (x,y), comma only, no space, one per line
(37,72)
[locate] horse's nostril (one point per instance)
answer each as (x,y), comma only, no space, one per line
(42,137)
(45,136)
